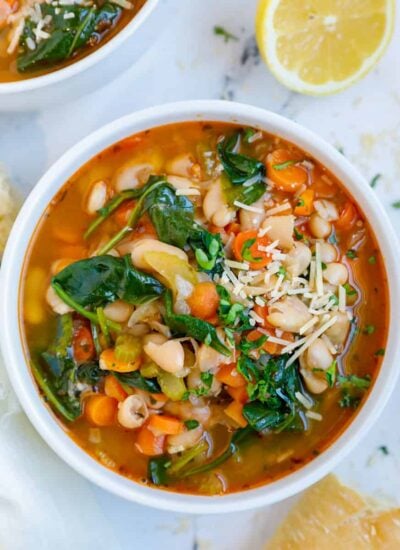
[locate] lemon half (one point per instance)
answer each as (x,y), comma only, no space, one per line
(323,46)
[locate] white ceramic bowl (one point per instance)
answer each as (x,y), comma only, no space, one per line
(85,75)
(19,373)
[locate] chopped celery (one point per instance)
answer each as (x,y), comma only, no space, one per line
(172,386)
(149,370)
(128,347)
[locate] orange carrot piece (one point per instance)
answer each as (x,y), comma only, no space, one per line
(122,213)
(233,227)
(162,424)
(246,248)
(101,410)
(108,361)
(82,344)
(235,411)
(282,171)
(229,375)
(305,206)
(238,394)
(204,300)
(148,443)
(113,388)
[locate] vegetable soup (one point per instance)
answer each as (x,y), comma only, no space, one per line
(40,36)
(204,307)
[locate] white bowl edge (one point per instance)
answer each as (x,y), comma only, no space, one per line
(21,379)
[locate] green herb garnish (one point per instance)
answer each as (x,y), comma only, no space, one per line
(226,35)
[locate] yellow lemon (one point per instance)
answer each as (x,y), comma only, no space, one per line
(323,46)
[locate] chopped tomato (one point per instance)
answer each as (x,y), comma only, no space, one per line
(246,247)
(82,344)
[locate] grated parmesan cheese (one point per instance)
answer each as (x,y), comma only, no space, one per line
(308,325)
(342,298)
(314,415)
(310,339)
(237,265)
(249,208)
(276,209)
(319,283)
(307,404)
(187,192)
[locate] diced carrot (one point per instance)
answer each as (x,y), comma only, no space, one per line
(113,388)
(284,173)
(229,375)
(246,248)
(235,411)
(101,410)
(215,229)
(348,217)
(232,227)
(304,206)
(82,344)
(148,443)
(204,300)
(162,424)
(122,213)
(157,400)
(108,361)
(270,347)
(324,188)
(238,394)
(262,312)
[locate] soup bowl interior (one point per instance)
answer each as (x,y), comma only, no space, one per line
(84,76)
(13,261)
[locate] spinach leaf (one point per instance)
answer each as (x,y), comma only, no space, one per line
(272,392)
(239,168)
(246,195)
(157,469)
(90,373)
(67,35)
(103,279)
(353,389)
(208,250)
(172,215)
(136,380)
(232,315)
(192,326)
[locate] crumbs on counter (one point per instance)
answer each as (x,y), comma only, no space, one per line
(375,180)
(384,450)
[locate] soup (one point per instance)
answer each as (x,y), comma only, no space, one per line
(204,307)
(38,37)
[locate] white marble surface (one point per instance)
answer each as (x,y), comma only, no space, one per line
(187,61)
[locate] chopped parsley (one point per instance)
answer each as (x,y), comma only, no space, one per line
(373,183)
(246,251)
(284,165)
(282,271)
(226,35)
(300,202)
(248,133)
(384,450)
(192,424)
(331,374)
(372,260)
(351,253)
(297,235)
(350,291)
(353,388)
(369,329)
(396,204)
(380,352)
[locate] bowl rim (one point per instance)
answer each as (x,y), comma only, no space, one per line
(58,75)
(11,345)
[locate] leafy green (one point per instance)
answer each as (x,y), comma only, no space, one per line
(232,315)
(208,249)
(239,168)
(284,165)
(109,208)
(226,35)
(162,469)
(353,389)
(192,424)
(67,35)
(192,326)
(90,373)
(157,469)
(374,181)
(100,280)
(136,380)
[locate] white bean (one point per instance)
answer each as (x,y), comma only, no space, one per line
(118,311)
(252,220)
(141,247)
(327,210)
(132,412)
(319,227)
(179,182)
(181,165)
(97,197)
(298,259)
(288,314)
(281,229)
(183,441)
(314,383)
(328,252)
(335,273)
(215,206)
(55,302)
(338,332)
(155,338)
(169,356)
(194,381)
(318,355)
(208,359)
(132,175)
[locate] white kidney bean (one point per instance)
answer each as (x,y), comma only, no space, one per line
(327,210)
(315,384)
(181,165)
(55,302)
(132,175)
(179,182)
(328,252)
(252,220)
(141,247)
(338,332)
(118,311)
(169,356)
(335,273)
(97,197)
(183,441)
(288,314)
(215,206)
(281,229)
(297,259)
(133,412)
(319,227)
(194,381)
(318,355)
(155,338)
